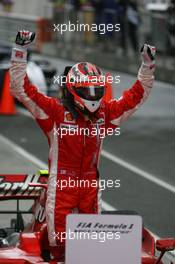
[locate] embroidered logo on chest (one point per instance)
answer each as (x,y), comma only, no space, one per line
(68,117)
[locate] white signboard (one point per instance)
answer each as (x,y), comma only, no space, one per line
(103,239)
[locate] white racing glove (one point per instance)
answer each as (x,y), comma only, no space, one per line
(146,71)
(23,39)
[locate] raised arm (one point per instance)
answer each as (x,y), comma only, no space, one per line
(38,104)
(121,109)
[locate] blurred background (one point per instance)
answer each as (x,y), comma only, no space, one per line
(142,157)
(141,21)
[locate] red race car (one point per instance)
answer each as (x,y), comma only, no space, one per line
(23,238)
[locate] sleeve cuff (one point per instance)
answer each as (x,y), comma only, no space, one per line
(19,54)
(146,70)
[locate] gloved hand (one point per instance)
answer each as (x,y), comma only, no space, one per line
(24,38)
(148,55)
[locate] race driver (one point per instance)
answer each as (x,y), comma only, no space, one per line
(82,106)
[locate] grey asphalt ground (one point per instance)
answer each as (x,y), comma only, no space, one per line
(146,141)
(11,159)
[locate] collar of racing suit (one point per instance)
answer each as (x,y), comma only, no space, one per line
(69,105)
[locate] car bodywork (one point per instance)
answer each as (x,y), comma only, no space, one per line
(28,242)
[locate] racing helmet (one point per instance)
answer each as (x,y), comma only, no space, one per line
(86,83)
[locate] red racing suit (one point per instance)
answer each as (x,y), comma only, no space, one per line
(73,156)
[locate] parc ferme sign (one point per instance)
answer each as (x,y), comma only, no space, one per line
(102,239)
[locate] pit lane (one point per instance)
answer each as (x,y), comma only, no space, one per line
(146,142)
